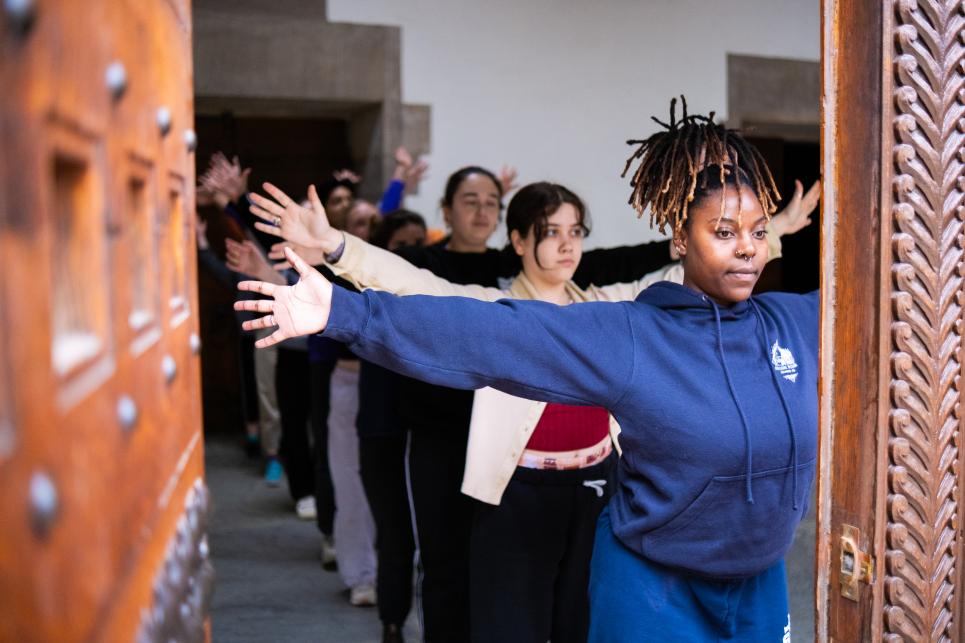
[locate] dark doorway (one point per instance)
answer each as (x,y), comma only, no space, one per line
(798,270)
(292,153)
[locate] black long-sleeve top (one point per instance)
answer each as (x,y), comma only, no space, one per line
(423,405)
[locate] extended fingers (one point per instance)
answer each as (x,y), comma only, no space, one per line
(273,209)
(280,196)
(297,262)
(271,340)
(262,287)
(254,305)
(270,229)
(217,158)
(267,321)
(315,201)
(265,214)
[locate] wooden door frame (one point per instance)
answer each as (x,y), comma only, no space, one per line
(889,447)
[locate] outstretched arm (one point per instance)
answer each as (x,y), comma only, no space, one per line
(363,264)
(580,354)
(368,266)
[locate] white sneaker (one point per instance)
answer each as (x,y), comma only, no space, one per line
(305,508)
(362,596)
(328,553)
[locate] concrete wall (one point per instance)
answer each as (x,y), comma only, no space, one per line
(774,96)
(254,58)
(557,86)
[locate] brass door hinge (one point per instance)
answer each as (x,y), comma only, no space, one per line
(856,565)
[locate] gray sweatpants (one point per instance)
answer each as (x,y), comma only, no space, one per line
(354,527)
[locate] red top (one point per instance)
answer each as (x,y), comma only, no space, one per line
(569,428)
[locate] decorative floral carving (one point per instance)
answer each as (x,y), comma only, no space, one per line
(924,441)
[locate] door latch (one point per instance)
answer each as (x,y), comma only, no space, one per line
(856,565)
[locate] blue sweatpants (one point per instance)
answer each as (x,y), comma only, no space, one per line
(633,599)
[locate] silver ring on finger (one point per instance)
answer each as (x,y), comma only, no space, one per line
(271,321)
(277,222)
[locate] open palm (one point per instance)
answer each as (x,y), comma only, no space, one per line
(797,214)
(301,309)
(284,217)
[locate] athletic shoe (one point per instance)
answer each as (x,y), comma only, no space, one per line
(362,596)
(305,508)
(329,563)
(273,472)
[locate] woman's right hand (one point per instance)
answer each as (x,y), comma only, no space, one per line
(293,222)
(302,309)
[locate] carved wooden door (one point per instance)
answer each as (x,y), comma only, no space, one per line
(889,526)
(102,498)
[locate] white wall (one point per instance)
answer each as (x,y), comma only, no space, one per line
(556,87)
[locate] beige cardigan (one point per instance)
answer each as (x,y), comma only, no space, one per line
(501,424)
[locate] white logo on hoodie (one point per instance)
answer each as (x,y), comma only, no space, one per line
(783,361)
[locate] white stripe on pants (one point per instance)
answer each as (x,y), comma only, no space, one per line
(354,527)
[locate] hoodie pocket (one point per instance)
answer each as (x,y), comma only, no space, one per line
(722,535)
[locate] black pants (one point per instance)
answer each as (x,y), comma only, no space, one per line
(443,517)
(530,560)
(293,388)
(320,383)
(382,461)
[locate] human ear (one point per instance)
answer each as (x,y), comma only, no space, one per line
(679,243)
(517,241)
(447,215)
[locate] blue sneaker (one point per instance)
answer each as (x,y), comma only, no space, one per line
(273,472)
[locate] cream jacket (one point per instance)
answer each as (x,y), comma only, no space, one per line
(501,424)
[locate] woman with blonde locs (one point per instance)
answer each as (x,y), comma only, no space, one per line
(715,391)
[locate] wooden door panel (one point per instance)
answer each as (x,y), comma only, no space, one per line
(891,387)
(850,303)
(102,493)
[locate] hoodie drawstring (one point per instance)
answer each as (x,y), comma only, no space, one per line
(780,394)
(740,409)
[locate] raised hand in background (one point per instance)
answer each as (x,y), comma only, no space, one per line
(226,177)
(797,214)
(245,258)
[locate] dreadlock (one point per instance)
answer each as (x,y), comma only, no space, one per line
(677,162)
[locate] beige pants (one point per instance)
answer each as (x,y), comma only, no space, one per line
(269,417)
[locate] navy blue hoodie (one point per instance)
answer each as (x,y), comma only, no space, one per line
(718,405)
